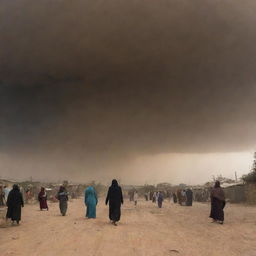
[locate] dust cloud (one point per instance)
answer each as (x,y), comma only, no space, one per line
(89,87)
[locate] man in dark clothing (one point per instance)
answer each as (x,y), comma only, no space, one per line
(115,199)
(14,204)
(189,195)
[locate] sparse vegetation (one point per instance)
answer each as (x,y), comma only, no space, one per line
(251,177)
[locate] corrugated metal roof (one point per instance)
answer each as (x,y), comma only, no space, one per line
(226,185)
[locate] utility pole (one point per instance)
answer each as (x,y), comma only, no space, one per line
(236,176)
(254,162)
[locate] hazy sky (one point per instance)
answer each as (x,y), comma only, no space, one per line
(145,91)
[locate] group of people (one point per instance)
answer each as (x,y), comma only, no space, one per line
(62,196)
(158,198)
(114,198)
(184,197)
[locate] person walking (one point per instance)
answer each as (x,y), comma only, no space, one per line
(115,199)
(160,199)
(189,196)
(174,198)
(42,198)
(217,203)
(90,200)
(62,196)
(14,204)
(135,196)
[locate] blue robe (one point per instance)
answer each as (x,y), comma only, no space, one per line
(90,200)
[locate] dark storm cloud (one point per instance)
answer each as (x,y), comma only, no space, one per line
(127,76)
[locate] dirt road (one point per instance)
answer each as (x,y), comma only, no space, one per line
(144,230)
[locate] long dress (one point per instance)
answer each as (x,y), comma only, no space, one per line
(63,202)
(42,198)
(217,204)
(160,200)
(189,196)
(179,196)
(174,198)
(115,199)
(90,200)
(183,197)
(14,204)
(135,196)
(154,197)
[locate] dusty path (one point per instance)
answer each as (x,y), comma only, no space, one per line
(145,230)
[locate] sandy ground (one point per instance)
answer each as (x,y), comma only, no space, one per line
(144,230)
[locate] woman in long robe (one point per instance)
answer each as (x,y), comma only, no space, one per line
(135,197)
(189,196)
(174,198)
(14,204)
(160,199)
(217,203)
(154,197)
(62,196)
(90,200)
(42,198)
(115,199)
(179,196)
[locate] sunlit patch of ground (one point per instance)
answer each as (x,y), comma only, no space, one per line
(143,230)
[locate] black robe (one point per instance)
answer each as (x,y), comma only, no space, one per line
(174,198)
(217,204)
(115,199)
(217,207)
(14,204)
(189,195)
